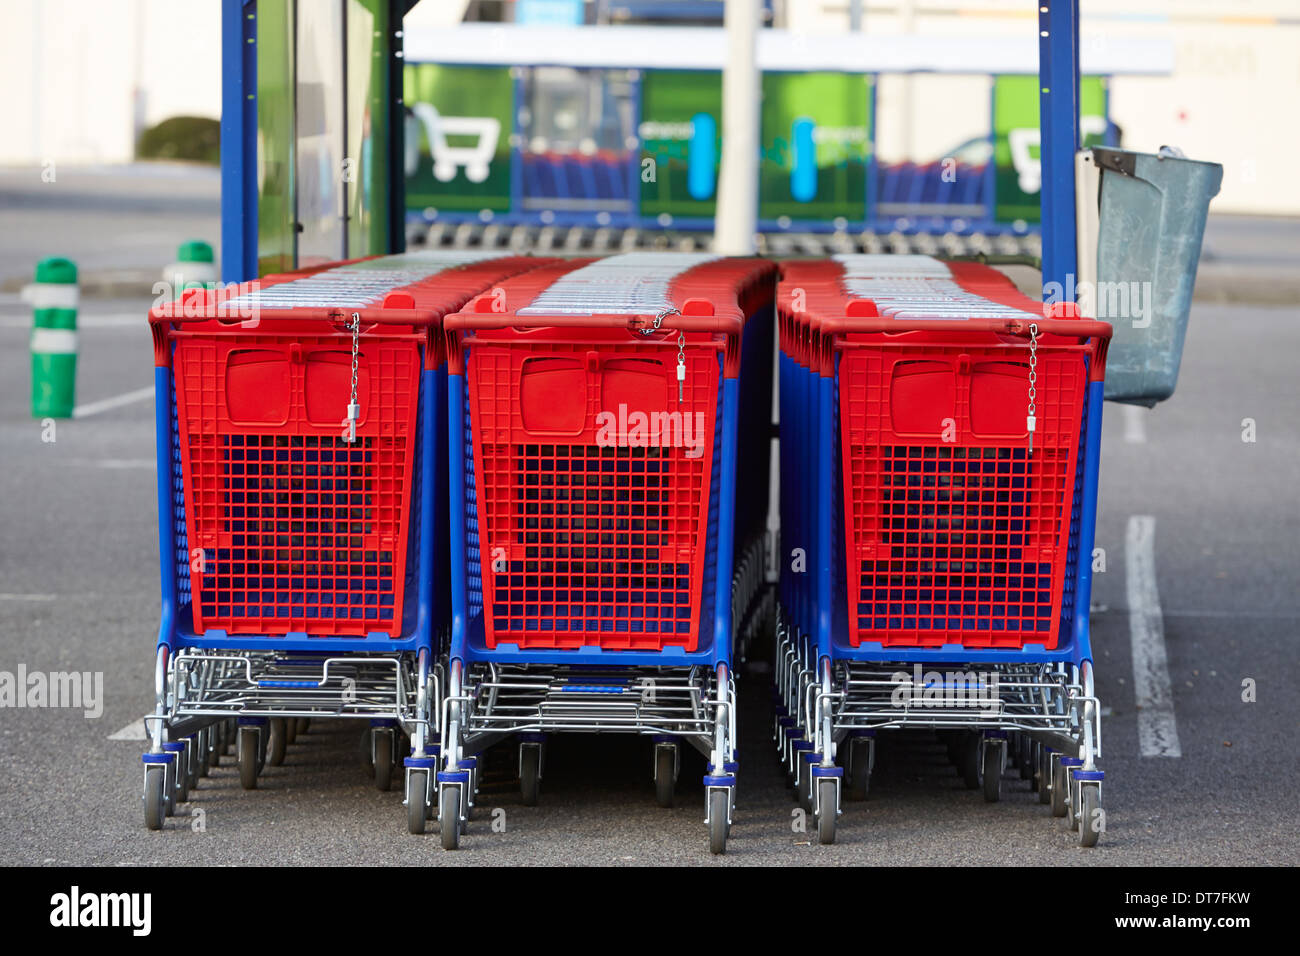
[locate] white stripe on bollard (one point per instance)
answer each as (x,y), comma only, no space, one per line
(51,295)
(54,341)
(179,274)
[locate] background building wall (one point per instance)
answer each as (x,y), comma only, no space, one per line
(82,78)
(1233,97)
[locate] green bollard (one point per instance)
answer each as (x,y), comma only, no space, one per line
(54,339)
(194,266)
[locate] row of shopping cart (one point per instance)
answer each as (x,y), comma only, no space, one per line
(469,499)
(463,498)
(938,485)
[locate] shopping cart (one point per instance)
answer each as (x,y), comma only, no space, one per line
(299,447)
(940,438)
(595,515)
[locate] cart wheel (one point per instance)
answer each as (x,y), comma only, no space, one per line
(248,763)
(719,829)
(183,772)
(1089,804)
(290,729)
(665,770)
(449,816)
(826,819)
(228,739)
(170,806)
(1060,781)
(1026,758)
(367,744)
(971,770)
(804,786)
(859,770)
(196,761)
(278,741)
(1042,776)
(383,760)
(530,773)
(205,751)
(992,772)
(155,797)
(263,739)
(304,723)
(417,797)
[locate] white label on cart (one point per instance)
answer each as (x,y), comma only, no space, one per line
(359,284)
(916,287)
(635,283)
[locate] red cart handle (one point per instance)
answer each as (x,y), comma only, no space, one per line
(1079,328)
(381,316)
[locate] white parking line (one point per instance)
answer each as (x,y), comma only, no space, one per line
(117,401)
(132,731)
(1135,425)
(1157,727)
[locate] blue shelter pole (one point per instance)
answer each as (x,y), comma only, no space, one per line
(1058,118)
(238,138)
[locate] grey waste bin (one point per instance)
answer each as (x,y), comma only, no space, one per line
(1152,220)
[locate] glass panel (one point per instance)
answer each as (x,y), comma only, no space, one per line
(367,84)
(275,147)
(321,189)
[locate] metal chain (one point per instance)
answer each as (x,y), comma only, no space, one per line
(681,346)
(659,320)
(354,409)
(1031,420)
(681,364)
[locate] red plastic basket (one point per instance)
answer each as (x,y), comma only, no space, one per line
(289,527)
(953,532)
(959,541)
(294,529)
(592,531)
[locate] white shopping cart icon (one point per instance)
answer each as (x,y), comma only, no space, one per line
(1026,151)
(475,159)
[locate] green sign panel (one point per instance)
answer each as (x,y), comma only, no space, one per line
(1017,142)
(681,141)
(816,142)
(458,137)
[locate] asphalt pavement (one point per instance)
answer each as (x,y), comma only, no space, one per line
(78,591)
(1210,478)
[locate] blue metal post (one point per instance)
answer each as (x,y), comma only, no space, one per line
(162,411)
(429,480)
(1058,118)
(634,156)
(457,491)
(238,140)
(725,485)
(825,466)
(517,144)
(1088,522)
